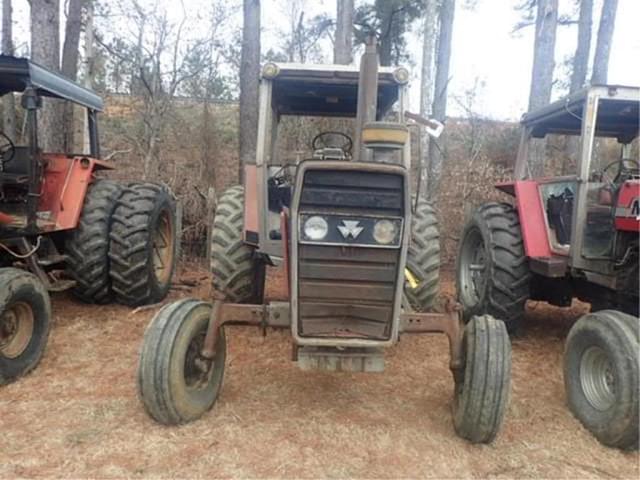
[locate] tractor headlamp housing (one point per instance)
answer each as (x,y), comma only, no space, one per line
(315,228)
(401,75)
(270,70)
(385,232)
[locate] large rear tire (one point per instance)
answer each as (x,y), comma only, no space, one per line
(175,383)
(482,390)
(236,268)
(423,259)
(25,312)
(601,363)
(87,246)
(492,271)
(143,247)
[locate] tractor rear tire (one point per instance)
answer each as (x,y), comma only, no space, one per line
(25,313)
(482,389)
(143,244)
(87,247)
(601,376)
(236,268)
(423,258)
(172,384)
(492,271)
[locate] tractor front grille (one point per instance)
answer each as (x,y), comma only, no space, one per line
(348,291)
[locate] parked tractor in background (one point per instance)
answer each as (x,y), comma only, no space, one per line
(574,236)
(360,255)
(62,227)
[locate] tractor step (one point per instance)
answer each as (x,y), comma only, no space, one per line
(60,285)
(52,260)
(341,360)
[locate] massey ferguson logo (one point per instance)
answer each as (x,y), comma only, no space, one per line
(350,229)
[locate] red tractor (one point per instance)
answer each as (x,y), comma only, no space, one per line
(573,236)
(62,227)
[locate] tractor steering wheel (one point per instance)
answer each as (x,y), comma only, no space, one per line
(324,140)
(7,148)
(622,168)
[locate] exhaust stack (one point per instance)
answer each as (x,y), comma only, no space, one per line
(367,96)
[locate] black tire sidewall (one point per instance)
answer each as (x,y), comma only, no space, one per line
(607,425)
(162,203)
(24,287)
(480,307)
(192,403)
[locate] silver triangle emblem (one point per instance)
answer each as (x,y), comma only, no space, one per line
(350,229)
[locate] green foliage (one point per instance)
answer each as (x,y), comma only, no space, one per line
(388,21)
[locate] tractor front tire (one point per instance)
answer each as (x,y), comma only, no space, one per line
(482,388)
(492,271)
(87,246)
(234,265)
(423,259)
(25,313)
(601,363)
(143,244)
(175,383)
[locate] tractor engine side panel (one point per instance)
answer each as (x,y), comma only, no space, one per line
(346,288)
(628,207)
(64,186)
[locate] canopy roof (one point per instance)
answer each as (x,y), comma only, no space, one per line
(327,90)
(18,74)
(618,114)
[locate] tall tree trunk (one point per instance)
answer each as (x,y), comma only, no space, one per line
(45,50)
(9,103)
(249,80)
(385,41)
(88,70)
(447,11)
(70,54)
(343,46)
(542,73)
(603,43)
(581,57)
(427,81)
(579,75)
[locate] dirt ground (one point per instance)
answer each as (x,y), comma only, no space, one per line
(78,415)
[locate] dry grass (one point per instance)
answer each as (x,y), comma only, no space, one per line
(78,415)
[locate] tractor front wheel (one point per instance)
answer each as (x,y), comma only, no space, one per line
(492,273)
(601,376)
(482,387)
(143,244)
(25,312)
(175,382)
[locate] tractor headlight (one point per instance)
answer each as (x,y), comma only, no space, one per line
(385,232)
(401,75)
(270,70)
(315,228)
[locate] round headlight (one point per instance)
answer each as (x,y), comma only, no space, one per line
(401,75)
(384,232)
(315,228)
(270,70)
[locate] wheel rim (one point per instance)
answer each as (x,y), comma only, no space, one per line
(473,264)
(16,329)
(163,247)
(197,369)
(597,377)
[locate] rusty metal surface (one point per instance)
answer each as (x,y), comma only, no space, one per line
(448,323)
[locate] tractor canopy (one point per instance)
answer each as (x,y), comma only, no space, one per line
(328,90)
(617,115)
(19,74)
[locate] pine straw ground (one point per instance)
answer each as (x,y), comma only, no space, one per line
(77,415)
